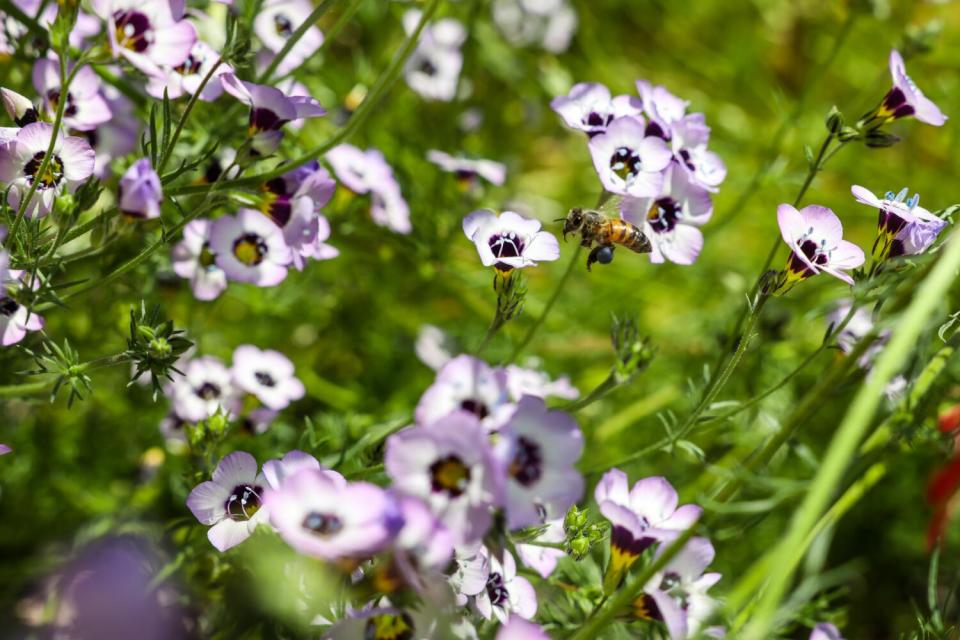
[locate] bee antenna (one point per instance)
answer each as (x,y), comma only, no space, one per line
(560,220)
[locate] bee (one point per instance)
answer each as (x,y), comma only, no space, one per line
(595,227)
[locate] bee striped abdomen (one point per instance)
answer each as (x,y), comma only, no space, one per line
(629,235)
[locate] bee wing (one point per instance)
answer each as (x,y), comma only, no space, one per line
(611,206)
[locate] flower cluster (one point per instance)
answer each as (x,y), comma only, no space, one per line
(647,149)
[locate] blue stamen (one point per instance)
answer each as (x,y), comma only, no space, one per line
(903,194)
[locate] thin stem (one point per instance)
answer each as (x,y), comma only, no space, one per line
(848,436)
(31,388)
(168,151)
(294,38)
(337,27)
(495,325)
(24,389)
(609,384)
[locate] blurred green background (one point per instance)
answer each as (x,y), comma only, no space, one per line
(765,73)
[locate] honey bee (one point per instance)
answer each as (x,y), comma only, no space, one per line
(595,227)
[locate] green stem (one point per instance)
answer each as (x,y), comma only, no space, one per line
(342,21)
(492,330)
(609,384)
(316,14)
(24,389)
(854,425)
(168,151)
(31,388)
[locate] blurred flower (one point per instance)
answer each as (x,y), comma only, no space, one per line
(470,572)
(903,227)
(857,328)
(250,248)
(641,516)
(205,388)
(530,382)
(320,514)
(147,33)
(904,99)
(467,170)
(18,108)
(543,559)
(661,105)
(139,193)
(15,319)
(825,631)
(117,137)
(814,235)
(193,260)
(86,108)
(588,107)
(671,220)
(21,158)
(256,421)
(517,628)
(4,449)
(186,77)
(266,374)
(627,160)
(469,385)
(276,471)
(449,465)
(549,24)
(506,593)
(539,449)
(390,623)
(433,70)
(424,546)
(509,241)
(432,348)
(368,172)
(232,502)
(275,23)
(677,595)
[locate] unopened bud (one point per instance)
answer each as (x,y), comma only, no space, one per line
(834,121)
(848,134)
(160,348)
(579,548)
(20,110)
(877,139)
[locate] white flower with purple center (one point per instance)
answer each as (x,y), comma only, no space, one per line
(250,248)
(505,593)
(688,139)
(517,628)
(509,241)
(274,25)
(320,514)
(639,517)
(205,388)
(139,194)
(293,201)
(627,160)
(85,107)
(268,375)
(449,465)
(671,220)
(185,78)
(825,631)
(368,172)
(659,104)
(903,226)
(471,568)
(469,385)
(19,109)
(433,70)
(814,235)
(277,471)
(543,559)
(147,33)
(904,99)
(22,157)
(232,502)
(192,259)
(589,107)
(531,382)
(468,170)
(677,595)
(16,320)
(549,24)
(538,449)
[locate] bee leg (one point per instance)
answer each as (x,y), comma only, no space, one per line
(602,253)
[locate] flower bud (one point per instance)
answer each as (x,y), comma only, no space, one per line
(834,121)
(20,110)
(579,548)
(877,139)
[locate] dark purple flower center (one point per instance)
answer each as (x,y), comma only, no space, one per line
(265,379)
(506,245)
(133,30)
(250,249)
(322,524)
(596,122)
(645,608)
(263,119)
(527,464)
(895,103)
(283,25)
(243,502)
(890,222)
(190,66)
(69,110)
(654,129)
(622,539)
(278,208)
(208,391)
(687,159)
(663,214)
(207,259)
(53,175)
(626,163)
(427,67)
(8,306)
(476,407)
(499,596)
(814,254)
(450,475)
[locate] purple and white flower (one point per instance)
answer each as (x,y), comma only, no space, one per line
(185,78)
(147,33)
(468,170)
(904,99)
(19,109)
(320,514)
(449,465)
(424,546)
(433,70)
(825,631)
(639,517)
(506,593)
(470,572)
(469,385)
(517,628)
(277,471)
(531,382)
(85,109)
(539,448)
(21,159)
(250,248)
(815,237)
(4,449)
(689,137)
(549,24)
(540,558)
(433,347)
(232,502)
(509,241)
(266,374)
(671,220)
(16,319)
(368,172)
(628,161)
(205,388)
(192,259)
(903,226)
(589,107)
(274,25)
(139,194)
